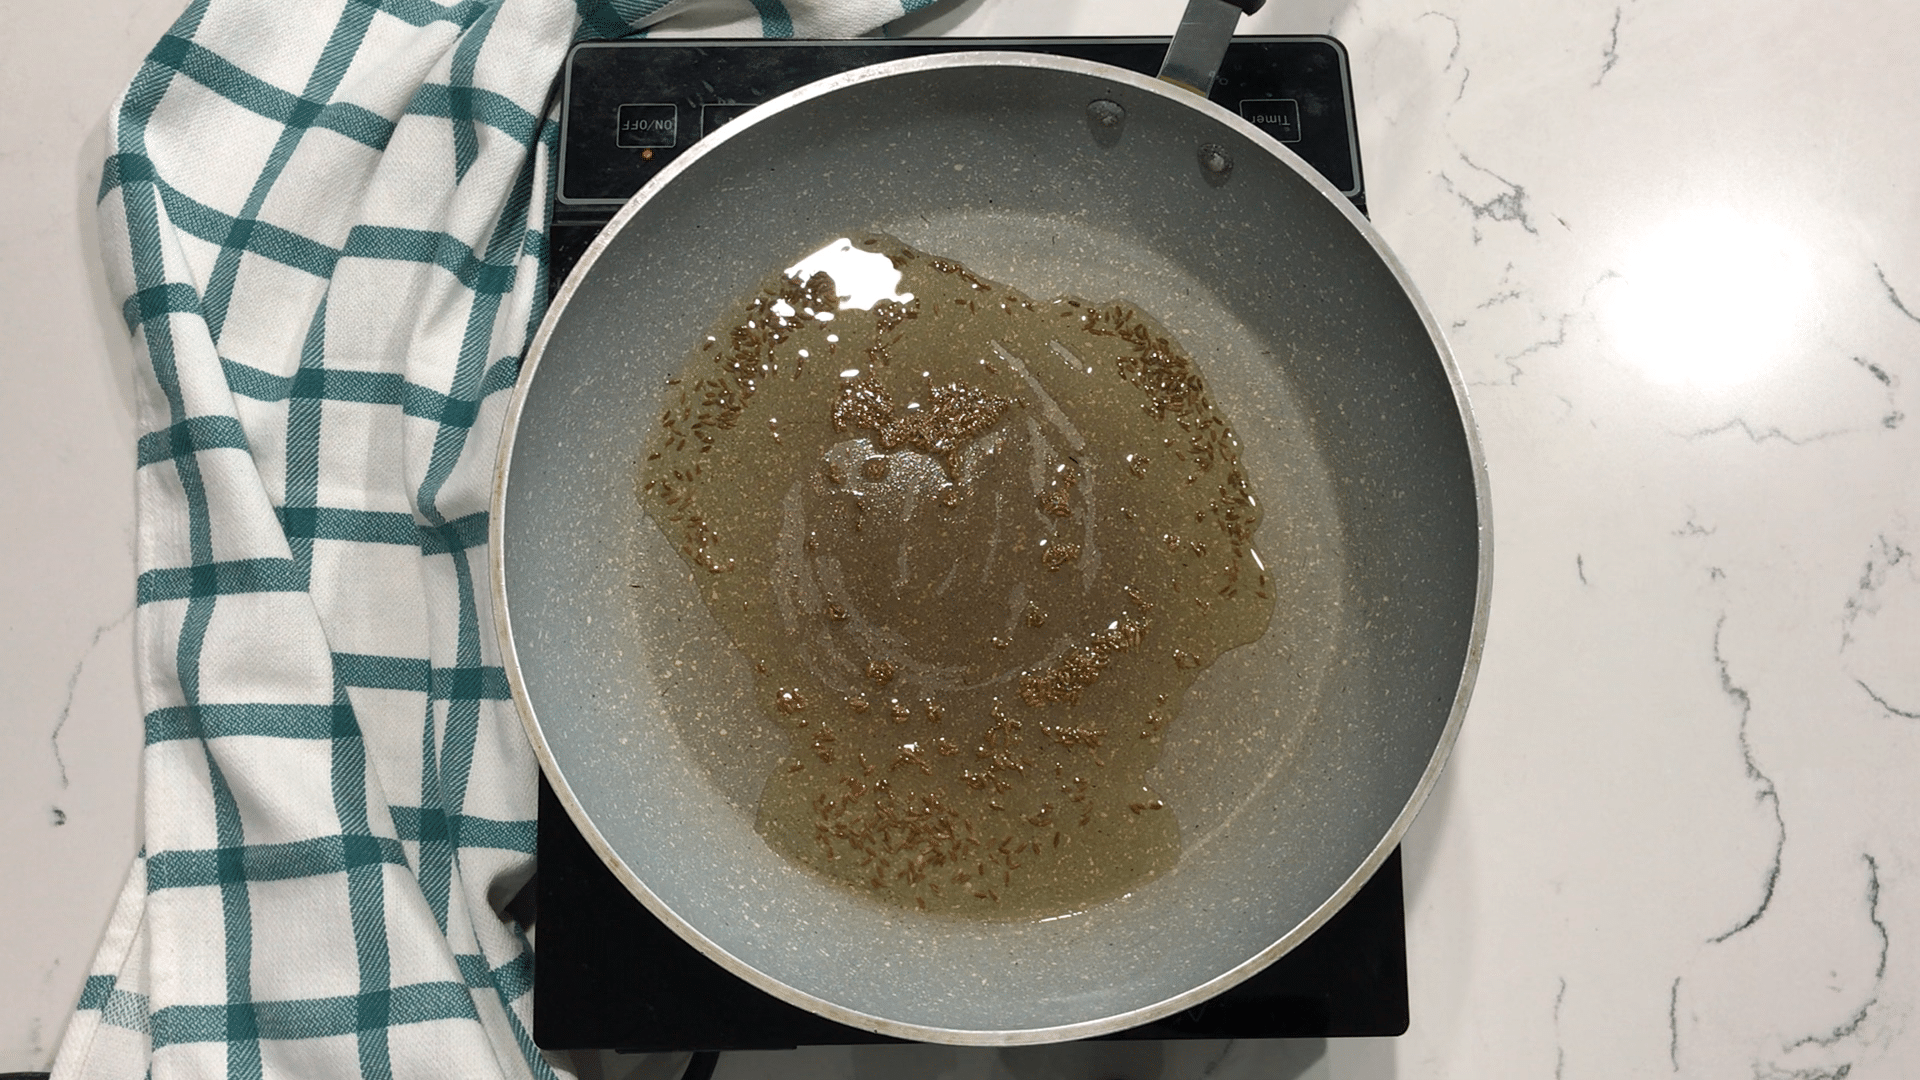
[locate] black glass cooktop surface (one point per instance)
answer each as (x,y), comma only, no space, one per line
(610,975)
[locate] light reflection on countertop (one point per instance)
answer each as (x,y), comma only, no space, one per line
(1709,298)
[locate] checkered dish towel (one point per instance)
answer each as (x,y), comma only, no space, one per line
(326,221)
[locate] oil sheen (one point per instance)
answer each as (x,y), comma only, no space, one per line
(975,548)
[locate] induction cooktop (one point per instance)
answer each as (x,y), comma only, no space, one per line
(608,974)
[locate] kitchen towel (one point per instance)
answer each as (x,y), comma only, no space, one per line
(326,222)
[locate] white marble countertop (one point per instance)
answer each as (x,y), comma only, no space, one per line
(1676,248)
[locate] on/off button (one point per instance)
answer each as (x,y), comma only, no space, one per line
(649,125)
(1278,117)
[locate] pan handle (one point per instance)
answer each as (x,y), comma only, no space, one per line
(1193,58)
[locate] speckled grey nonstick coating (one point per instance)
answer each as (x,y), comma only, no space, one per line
(1299,760)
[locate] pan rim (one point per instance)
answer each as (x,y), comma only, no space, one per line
(502,615)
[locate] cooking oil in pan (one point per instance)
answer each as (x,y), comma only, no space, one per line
(975,549)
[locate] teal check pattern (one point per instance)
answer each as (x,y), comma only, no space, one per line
(326,224)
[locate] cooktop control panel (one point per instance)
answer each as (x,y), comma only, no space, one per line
(631,107)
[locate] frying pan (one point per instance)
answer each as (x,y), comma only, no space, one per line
(1298,761)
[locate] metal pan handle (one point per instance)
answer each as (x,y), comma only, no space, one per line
(1193,59)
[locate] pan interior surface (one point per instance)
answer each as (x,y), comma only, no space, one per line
(1297,761)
